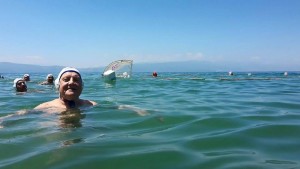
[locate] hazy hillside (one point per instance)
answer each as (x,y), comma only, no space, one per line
(187,66)
(6,67)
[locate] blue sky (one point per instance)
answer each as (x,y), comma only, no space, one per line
(92,33)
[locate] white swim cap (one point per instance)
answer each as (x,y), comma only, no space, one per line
(16,81)
(64,70)
(49,75)
(26,75)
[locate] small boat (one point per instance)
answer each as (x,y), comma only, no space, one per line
(109,75)
(118,69)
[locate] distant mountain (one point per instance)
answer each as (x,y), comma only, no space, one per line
(205,66)
(189,66)
(186,66)
(7,67)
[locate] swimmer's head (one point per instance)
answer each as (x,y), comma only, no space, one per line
(16,81)
(26,77)
(154,74)
(64,70)
(20,85)
(49,76)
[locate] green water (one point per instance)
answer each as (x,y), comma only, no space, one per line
(195,120)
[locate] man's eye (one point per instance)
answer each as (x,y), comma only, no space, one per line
(76,80)
(66,79)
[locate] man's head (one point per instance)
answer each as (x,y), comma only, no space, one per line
(50,78)
(69,83)
(26,77)
(20,85)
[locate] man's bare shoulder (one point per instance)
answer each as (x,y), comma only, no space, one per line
(52,103)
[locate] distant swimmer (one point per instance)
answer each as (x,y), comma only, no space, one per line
(154,74)
(49,80)
(285,73)
(26,77)
(230,73)
(20,85)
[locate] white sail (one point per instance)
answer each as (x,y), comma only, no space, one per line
(122,68)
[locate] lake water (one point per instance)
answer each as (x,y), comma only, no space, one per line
(194,120)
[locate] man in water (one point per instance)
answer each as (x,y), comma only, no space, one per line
(20,85)
(49,80)
(70,85)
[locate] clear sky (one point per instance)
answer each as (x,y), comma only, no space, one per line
(92,33)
